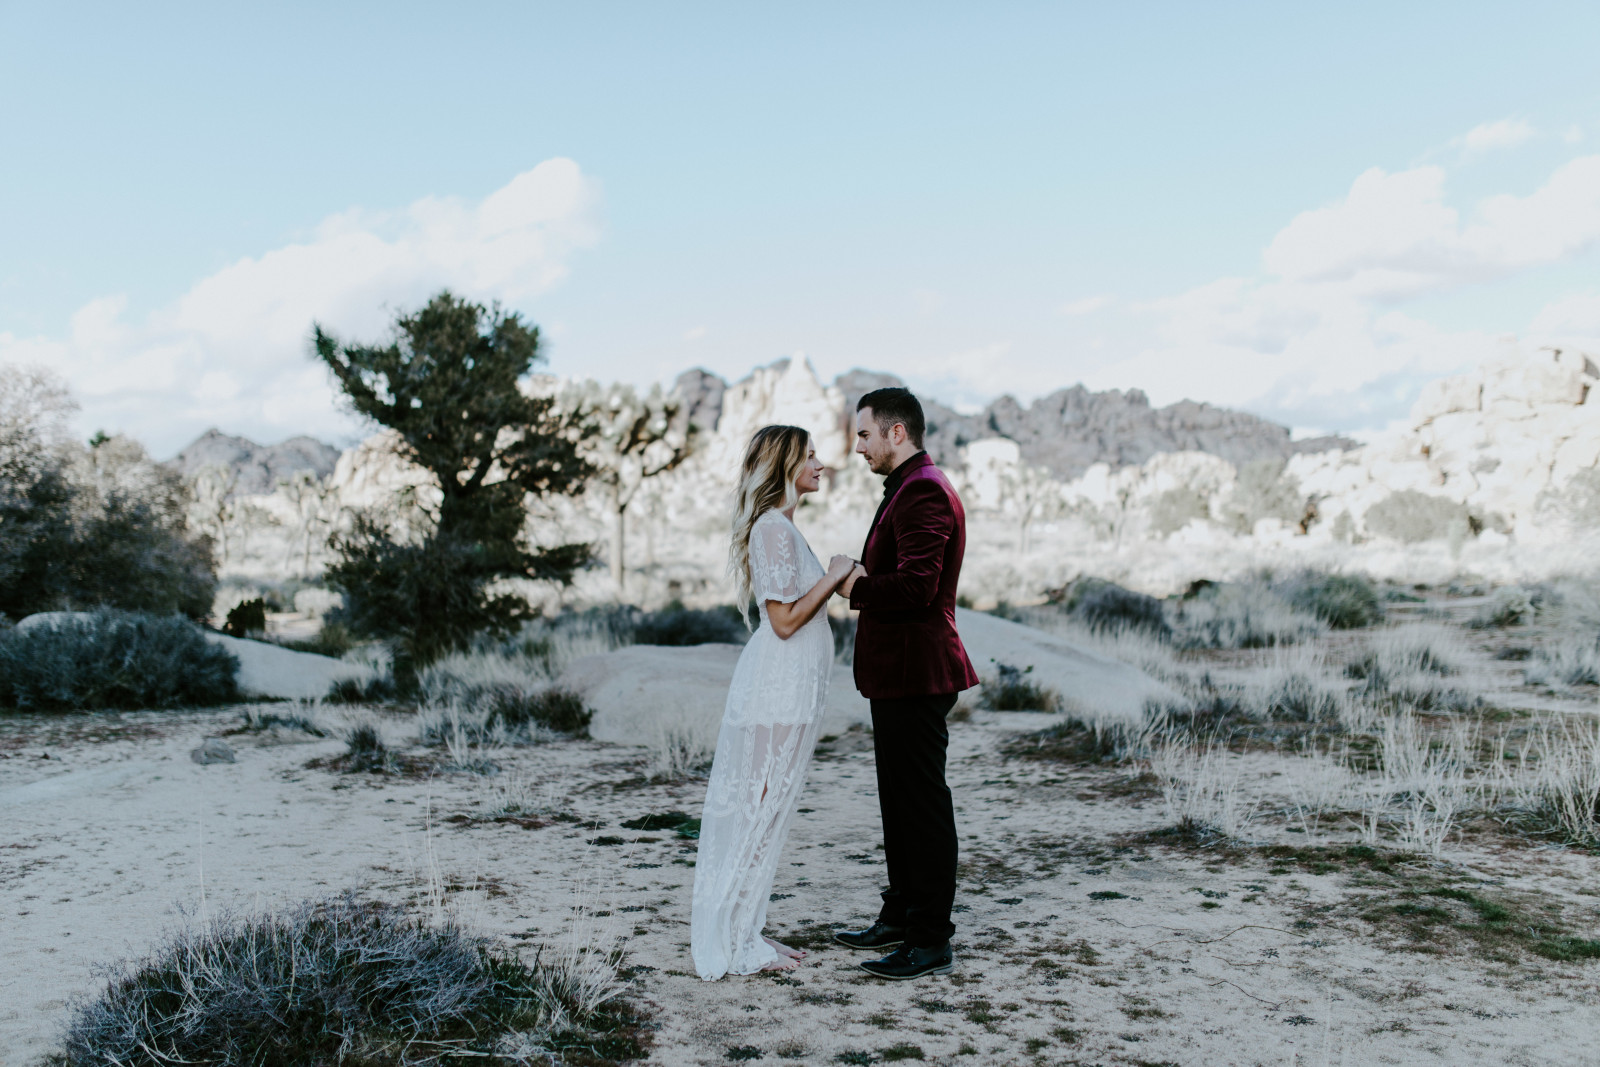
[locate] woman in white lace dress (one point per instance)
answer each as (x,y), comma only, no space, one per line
(774,709)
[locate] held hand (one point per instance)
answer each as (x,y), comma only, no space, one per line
(839,567)
(850,582)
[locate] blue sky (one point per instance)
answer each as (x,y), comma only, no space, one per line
(1263,205)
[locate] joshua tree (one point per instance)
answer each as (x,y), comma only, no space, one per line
(313,499)
(214,511)
(451,385)
(631,440)
(1032,495)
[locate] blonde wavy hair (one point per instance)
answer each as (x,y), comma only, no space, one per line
(772,463)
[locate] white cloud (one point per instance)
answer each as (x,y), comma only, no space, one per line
(232,351)
(1572,319)
(1394,236)
(1489,136)
(1086,306)
(1320,338)
(694,333)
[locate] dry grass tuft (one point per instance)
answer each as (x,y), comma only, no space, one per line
(341,981)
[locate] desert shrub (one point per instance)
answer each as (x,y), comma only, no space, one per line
(245,618)
(1262,491)
(676,749)
(552,708)
(1111,607)
(1510,606)
(1410,516)
(342,982)
(113,659)
(1012,690)
(1172,510)
(305,719)
(1560,780)
(1424,668)
(1343,601)
(376,688)
(1099,606)
(1297,687)
(366,749)
(1570,661)
(1203,789)
(1241,615)
(678,625)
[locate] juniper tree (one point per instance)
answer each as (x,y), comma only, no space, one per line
(450,385)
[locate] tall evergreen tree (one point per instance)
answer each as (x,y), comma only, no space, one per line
(449,385)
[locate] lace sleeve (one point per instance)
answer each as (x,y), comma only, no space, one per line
(774,561)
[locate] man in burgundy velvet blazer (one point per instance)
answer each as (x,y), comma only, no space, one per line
(910,663)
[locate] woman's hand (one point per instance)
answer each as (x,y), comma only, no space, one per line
(839,568)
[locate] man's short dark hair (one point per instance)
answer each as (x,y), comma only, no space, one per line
(896,404)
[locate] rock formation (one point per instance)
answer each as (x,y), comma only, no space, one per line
(1494,464)
(259,468)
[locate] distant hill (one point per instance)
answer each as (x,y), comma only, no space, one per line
(1068,431)
(259,467)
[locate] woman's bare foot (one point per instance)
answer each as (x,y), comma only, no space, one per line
(787,963)
(792,953)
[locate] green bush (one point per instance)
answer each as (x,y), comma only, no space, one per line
(1101,606)
(678,625)
(245,618)
(67,546)
(1343,601)
(113,659)
(341,982)
(553,708)
(1012,690)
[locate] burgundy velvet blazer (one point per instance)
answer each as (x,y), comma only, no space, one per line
(906,640)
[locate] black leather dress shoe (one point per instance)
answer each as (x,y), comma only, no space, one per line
(911,961)
(878,935)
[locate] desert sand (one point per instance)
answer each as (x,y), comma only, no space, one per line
(1080,939)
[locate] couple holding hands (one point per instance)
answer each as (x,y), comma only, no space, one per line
(909,663)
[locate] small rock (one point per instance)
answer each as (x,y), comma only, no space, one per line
(213,750)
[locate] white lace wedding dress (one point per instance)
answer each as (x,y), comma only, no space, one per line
(769,728)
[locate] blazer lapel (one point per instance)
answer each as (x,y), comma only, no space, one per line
(884,509)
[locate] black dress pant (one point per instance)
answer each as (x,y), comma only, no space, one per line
(909,738)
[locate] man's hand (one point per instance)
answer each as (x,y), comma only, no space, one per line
(850,582)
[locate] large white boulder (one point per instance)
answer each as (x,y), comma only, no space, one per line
(1089,682)
(267,670)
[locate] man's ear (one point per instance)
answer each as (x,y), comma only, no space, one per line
(897,434)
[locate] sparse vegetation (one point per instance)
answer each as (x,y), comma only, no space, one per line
(678,625)
(1103,606)
(1241,615)
(341,981)
(113,659)
(1011,689)
(1343,601)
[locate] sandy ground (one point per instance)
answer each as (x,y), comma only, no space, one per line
(1196,963)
